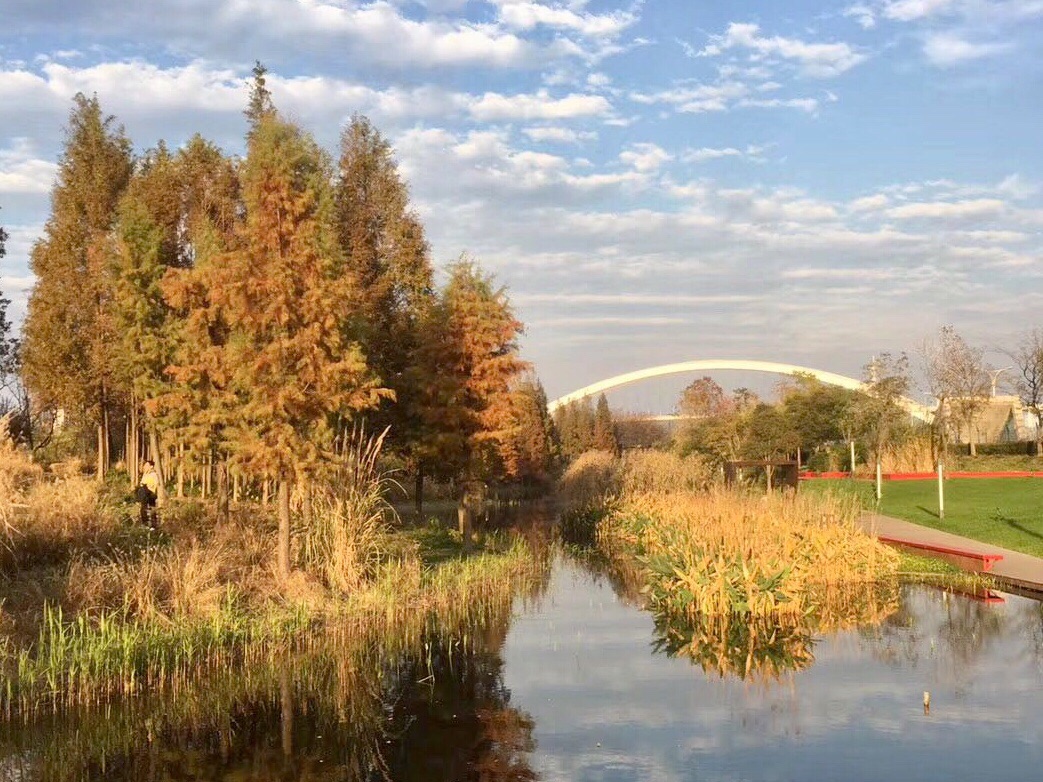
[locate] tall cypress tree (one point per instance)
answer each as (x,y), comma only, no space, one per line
(197,402)
(472,339)
(386,257)
(285,301)
(604,429)
(69,338)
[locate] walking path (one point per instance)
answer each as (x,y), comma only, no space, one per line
(1018,570)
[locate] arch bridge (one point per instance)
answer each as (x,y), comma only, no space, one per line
(915,409)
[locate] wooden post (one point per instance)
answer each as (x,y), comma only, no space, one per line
(852,444)
(879,479)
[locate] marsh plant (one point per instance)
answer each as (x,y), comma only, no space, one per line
(346,536)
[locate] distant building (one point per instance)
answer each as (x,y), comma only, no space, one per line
(1004,419)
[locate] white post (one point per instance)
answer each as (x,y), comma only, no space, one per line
(852,444)
(941,492)
(879,487)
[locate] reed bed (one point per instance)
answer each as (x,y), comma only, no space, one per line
(94,657)
(724,554)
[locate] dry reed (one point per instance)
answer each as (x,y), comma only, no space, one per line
(722,553)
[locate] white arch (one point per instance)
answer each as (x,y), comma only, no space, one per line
(706,365)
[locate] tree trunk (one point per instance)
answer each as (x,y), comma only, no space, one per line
(463,516)
(157,458)
(266,492)
(133,457)
(418,492)
(283,550)
(222,489)
(235,488)
(180,469)
(972,448)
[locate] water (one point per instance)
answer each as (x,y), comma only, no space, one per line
(571,686)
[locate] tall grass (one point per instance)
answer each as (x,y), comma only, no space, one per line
(183,618)
(344,540)
(722,553)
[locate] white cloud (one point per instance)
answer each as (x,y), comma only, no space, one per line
(822,60)
(537,106)
(645,158)
(873,203)
(710,153)
(558,135)
(945,49)
(910,10)
(810,105)
(977,209)
(528,15)
(22,172)
(863,14)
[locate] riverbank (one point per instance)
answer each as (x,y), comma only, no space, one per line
(96,606)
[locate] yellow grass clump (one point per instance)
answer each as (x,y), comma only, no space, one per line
(591,480)
(652,472)
(722,553)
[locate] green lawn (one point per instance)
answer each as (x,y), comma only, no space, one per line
(1006,512)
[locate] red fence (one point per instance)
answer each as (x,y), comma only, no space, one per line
(926,476)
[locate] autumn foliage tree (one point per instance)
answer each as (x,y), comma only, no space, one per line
(68,333)
(532,446)
(471,336)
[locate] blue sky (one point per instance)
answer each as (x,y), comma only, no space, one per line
(809,182)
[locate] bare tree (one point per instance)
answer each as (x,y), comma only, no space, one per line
(1028,360)
(958,377)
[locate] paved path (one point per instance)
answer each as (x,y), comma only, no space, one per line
(1015,569)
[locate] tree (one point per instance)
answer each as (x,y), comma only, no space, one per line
(472,337)
(69,336)
(532,449)
(879,412)
(575,425)
(604,430)
(704,398)
(817,412)
(1028,360)
(285,300)
(711,421)
(260,104)
(177,211)
(959,378)
(767,433)
(386,256)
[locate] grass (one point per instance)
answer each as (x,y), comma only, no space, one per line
(1005,512)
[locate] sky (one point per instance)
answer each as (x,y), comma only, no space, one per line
(653,182)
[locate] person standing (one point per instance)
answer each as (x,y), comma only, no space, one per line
(148,491)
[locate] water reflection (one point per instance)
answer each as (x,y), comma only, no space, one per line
(442,713)
(764,710)
(577,683)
